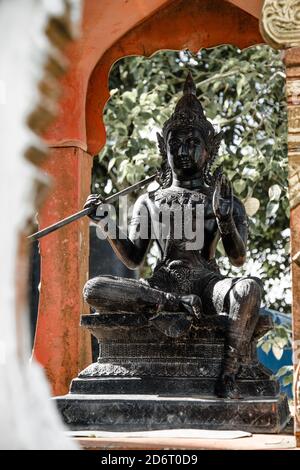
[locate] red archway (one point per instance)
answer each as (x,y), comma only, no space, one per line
(110,31)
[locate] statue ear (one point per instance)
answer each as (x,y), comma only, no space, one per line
(161,145)
(216,141)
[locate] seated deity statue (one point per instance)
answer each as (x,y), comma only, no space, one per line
(186,278)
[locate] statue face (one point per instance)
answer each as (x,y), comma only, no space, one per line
(186,151)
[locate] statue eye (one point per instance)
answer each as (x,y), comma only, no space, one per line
(174,143)
(194,141)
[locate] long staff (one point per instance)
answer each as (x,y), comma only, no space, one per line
(89,210)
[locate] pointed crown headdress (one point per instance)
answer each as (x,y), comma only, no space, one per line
(189,113)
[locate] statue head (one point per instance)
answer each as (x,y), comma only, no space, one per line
(189,143)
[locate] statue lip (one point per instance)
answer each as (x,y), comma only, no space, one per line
(184,162)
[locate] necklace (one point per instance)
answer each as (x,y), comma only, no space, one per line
(181,196)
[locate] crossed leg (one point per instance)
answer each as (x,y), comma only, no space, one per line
(132,296)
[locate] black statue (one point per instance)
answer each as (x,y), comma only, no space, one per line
(188,280)
(178,350)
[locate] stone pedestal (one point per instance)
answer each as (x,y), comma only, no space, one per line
(145,380)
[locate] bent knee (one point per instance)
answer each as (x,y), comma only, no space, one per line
(249,288)
(98,288)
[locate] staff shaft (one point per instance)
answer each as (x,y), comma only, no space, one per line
(88,210)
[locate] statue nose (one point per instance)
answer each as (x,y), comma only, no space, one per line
(184,149)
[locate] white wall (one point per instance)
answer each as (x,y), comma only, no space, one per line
(28,418)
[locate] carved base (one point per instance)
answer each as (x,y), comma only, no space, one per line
(178,386)
(150,412)
(145,380)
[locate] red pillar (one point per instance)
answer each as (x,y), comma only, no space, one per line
(61,345)
(292,62)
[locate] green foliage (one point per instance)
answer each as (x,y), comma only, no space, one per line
(243,93)
(286,372)
(276,340)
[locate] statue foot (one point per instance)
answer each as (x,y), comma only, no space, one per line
(192,303)
(177,323)
(226,387)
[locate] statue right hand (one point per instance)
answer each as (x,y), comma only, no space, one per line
(94,200)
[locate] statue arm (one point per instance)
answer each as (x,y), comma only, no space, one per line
(132,248)
(234,234)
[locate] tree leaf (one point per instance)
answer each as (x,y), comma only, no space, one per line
(272,208)
(274,192)
(239,186)
(111,164)
(284,370)
(288,379)
(266,347)
(252,205)
(277,352)
(240,85)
